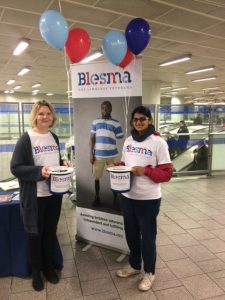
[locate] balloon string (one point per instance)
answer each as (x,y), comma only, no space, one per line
(68,82)
(68,93)
(60,7)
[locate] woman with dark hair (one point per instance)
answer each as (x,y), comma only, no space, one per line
(148,156)
(37,150)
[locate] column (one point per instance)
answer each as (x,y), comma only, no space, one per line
(151,92)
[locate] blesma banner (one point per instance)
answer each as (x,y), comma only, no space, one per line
(101,79)
(100,223)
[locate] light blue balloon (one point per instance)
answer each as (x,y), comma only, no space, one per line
(114,46)
(53,28)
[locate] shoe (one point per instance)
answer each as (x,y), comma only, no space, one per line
(51,276)
(146,282)
(37,282)
(96,202)
(127,272)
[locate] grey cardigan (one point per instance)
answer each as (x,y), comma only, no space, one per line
(22,167)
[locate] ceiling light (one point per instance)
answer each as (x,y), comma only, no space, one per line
(11,92)
(178,89)
(49,94)
(24,71)
(92,56)
(17,87)
(11,81)
(176,60)
(21,47)
(206,69)
(36,85)
(212,88)
(35,91)
(204,79)
(215,93)
(166,87)
(6,92)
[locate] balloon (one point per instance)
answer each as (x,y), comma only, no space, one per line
(53,28)
(127,59)
(114,46)
(138,35)
(77,45)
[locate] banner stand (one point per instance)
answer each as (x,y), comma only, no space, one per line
(93,84)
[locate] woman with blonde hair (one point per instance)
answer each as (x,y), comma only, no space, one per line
(37,150)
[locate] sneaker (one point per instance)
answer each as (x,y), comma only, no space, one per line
(126,272)
(146,282)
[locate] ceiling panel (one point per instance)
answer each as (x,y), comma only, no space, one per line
(178,27)
(186,19)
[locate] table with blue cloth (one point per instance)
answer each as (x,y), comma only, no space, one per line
(13,242)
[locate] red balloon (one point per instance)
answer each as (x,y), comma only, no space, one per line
(77,45)
(127,59)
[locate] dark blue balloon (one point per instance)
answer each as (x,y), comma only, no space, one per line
(138,35)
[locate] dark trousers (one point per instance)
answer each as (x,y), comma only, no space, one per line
(140,222)
(41,246)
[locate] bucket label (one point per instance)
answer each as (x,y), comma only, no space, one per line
(60,183)
(120,181)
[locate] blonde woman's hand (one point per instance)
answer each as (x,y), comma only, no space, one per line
(45,172)
(66,163)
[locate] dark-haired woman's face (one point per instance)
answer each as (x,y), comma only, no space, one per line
(140,122)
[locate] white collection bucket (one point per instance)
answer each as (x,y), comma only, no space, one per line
(60,179)
(120,178)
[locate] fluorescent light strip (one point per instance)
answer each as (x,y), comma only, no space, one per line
(17,87)
(24,71)
(91,57)
(166,87)
(212,88)
(176,60)
(178,89)
(36,85)
(204,79)
(215,93)
(21,47)
(206,69)
(11,81)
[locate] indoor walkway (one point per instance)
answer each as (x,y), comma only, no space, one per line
(191,253)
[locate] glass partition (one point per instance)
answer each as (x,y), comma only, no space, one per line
(9,133)
(9,121)
(186,130)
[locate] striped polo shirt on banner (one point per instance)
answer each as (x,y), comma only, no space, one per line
(106,132)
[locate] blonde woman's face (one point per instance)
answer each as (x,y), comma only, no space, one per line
(44,118)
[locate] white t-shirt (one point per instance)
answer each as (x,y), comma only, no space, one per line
(152,151)
(45,153)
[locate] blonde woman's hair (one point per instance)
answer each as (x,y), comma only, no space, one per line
(35,109)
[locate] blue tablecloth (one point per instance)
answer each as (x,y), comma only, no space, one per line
(13,243)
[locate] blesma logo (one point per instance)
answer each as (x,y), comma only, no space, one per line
(88,78)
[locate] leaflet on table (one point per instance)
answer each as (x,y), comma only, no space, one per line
(9,185)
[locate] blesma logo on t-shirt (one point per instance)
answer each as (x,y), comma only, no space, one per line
(138,150)
(44,149)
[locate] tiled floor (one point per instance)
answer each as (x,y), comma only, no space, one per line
(191,253)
